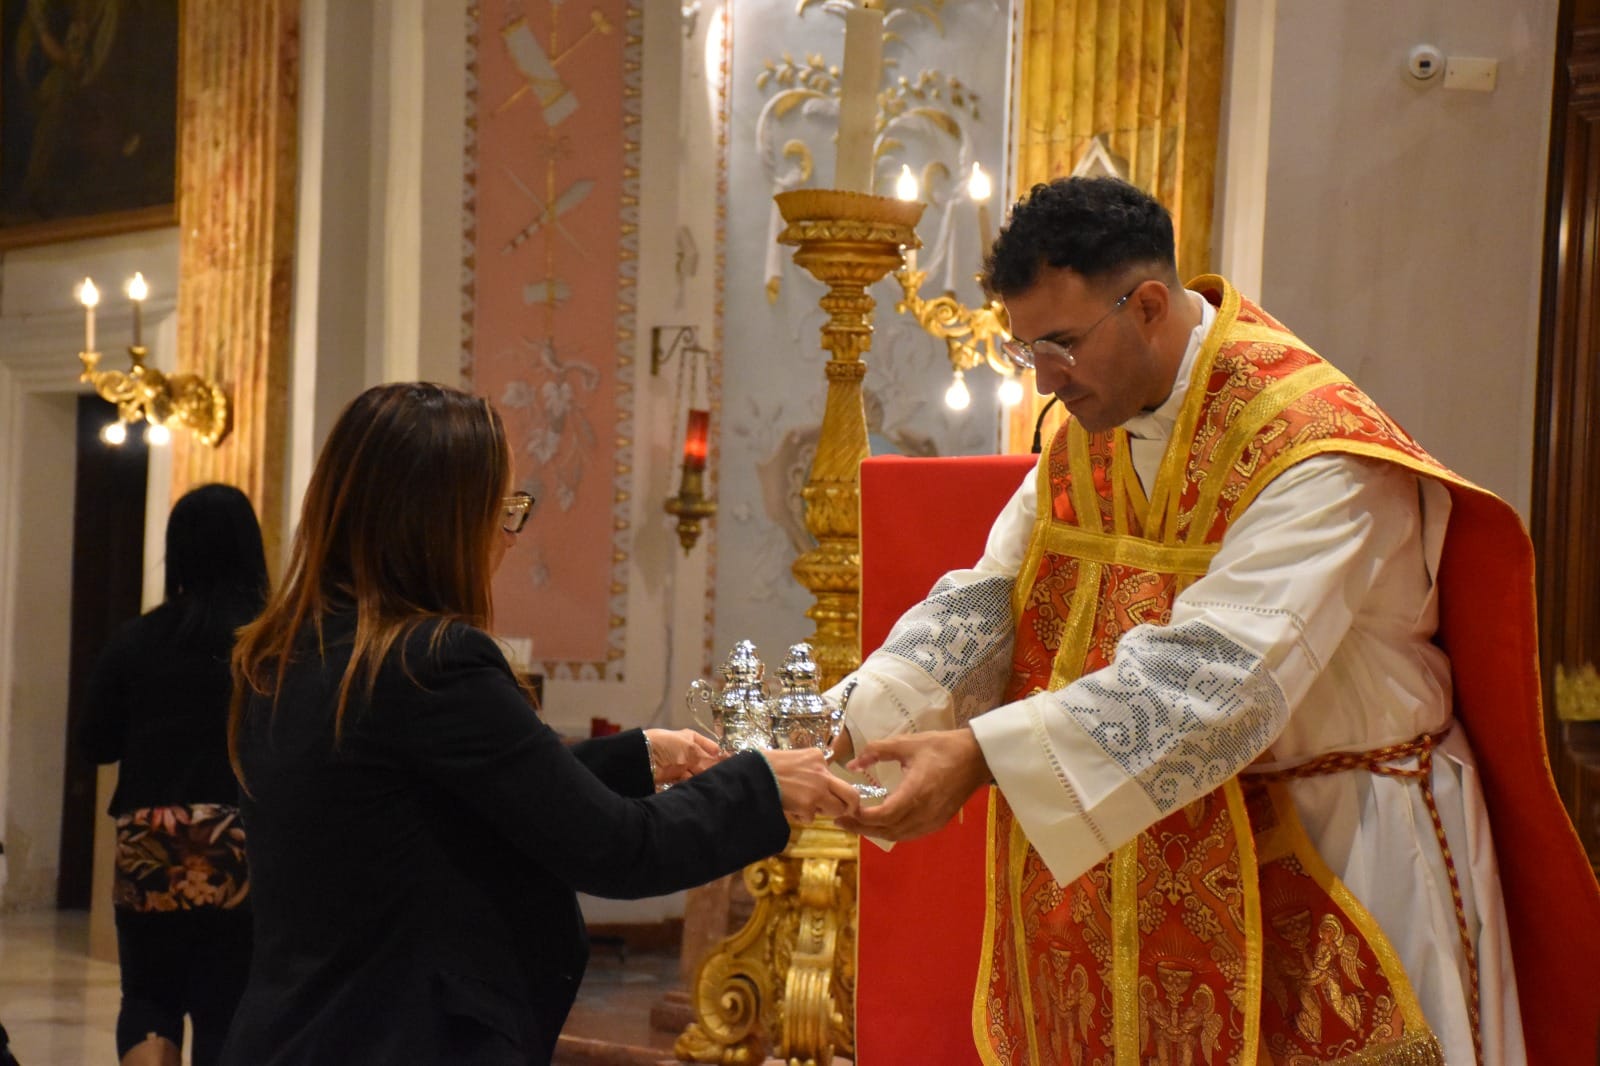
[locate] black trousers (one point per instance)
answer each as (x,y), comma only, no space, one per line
(182,962)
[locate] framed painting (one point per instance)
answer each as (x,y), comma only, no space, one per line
(88,118)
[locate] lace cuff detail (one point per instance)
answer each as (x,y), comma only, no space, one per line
(960,636)
(1180,710)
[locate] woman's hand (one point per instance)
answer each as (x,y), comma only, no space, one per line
(676,754)
(808,789)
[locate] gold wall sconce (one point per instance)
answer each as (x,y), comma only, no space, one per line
(691,506)
(162,401)
(973,336)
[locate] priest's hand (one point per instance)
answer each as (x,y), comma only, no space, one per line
(940,771)
(676,754)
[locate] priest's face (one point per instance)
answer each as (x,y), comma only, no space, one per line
(1102,362)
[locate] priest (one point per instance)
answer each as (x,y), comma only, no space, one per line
(1245,803)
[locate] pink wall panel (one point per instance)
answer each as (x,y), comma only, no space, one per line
(552,175)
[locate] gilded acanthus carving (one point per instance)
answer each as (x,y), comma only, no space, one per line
(785,983)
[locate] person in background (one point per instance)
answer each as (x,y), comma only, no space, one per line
(416,833)
(158,706)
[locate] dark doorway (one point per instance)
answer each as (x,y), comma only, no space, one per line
(107,585)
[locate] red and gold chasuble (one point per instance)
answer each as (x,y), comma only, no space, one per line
(1219,935)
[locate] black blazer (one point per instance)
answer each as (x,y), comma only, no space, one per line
(157,701)
(414,889)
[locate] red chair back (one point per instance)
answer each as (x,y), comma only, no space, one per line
(921,905)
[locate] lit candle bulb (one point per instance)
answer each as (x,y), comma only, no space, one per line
(907,188)
(114,433)
(979,188)
(1010,392)
(158,435)
(138,289)
(978,184)
(89,296)
(956,397)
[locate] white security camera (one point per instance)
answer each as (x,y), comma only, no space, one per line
(1424,61)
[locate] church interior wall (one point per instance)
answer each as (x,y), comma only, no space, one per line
(1399,232)
(1404,221)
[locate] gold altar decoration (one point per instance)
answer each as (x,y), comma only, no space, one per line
(238,115)
(789,975)
(848,241)
(786,981)
(1143,77)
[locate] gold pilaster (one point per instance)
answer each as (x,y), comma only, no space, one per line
(788,977)
(237,132)
(847,241)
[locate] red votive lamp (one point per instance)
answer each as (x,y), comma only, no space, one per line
(695,440)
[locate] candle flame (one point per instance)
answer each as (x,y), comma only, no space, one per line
(978,185)
(906,186)
(138,289)
(88,295)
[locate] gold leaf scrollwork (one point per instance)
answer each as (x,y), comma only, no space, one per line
(785,983)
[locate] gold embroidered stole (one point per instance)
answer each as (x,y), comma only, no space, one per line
(1218,935)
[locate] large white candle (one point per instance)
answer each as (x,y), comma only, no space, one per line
(858,97)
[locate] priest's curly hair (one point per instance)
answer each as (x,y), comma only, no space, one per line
(1098,227)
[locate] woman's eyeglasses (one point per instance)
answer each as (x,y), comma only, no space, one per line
(515,511)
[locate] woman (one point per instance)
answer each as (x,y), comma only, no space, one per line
(158,704)
(416,833)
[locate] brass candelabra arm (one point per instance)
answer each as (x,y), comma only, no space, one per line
(185,401)
(972,335)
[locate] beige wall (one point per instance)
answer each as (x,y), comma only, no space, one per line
(1403,222)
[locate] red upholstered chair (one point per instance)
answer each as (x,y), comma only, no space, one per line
(921,904)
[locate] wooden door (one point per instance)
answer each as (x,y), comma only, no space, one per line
(1566,496)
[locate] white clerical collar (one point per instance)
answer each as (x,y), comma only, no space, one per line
(1157,424)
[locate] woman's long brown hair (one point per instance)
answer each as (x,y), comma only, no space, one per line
(398,525)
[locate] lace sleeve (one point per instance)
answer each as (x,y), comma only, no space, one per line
(960,637)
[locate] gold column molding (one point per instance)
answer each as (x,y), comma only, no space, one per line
(238,113)
(789,975)
(847,241)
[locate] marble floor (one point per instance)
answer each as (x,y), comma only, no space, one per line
(60,1006)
